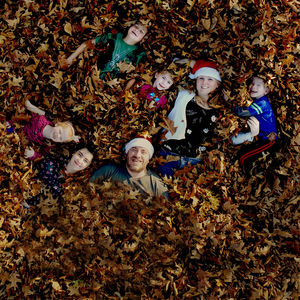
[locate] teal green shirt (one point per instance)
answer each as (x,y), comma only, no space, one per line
(150,184)
(118,51)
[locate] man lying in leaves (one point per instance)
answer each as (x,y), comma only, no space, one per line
(193,117)
(138,153)
(53,170)
(262,123)
(118,49)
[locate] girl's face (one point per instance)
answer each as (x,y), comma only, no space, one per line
(206,85)
(258,88)
(137,32)
(163,81)
(79,161)
(60,134)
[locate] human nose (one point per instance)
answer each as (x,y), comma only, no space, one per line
(138,153)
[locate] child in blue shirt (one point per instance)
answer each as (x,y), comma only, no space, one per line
(261,123)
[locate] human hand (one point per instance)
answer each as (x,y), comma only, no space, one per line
(225,95)
(254,126)
(76,138)
(29,152)
(182,61)
(63,62)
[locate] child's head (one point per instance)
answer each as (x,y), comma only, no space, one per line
(136,33)
(63,132)
(163,80)
(258,88)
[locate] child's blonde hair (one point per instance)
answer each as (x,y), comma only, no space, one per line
(70,129)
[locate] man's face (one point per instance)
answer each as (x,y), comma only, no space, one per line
(137,159)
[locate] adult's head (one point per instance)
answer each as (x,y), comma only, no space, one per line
(80,160)
(138,153)
(207,77)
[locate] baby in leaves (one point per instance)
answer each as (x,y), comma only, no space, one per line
(40,129)
(116,49)
(155,93)
(261,122)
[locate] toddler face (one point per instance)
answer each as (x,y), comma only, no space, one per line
(163,81)
(60,134)
(80,160)
(258,88)
(137,32)
(206,85)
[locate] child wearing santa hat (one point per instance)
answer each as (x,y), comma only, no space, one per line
(193,117)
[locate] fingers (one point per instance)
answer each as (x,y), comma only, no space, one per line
(254,126)
(252,121)
(181,61)
(29,152)
(225,96)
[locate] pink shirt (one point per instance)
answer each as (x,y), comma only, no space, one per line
(34,129)
(152,94)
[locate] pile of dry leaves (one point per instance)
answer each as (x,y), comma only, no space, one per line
(221,235)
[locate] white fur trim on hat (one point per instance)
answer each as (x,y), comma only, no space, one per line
(140,142)
(206,71)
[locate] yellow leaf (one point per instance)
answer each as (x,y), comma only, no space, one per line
(56,286)
(68,28)
(206,23)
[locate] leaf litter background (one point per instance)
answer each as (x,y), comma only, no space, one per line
(221,235)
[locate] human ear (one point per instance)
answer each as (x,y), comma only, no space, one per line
(267,90)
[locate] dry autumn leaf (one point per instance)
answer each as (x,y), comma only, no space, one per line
(221,235)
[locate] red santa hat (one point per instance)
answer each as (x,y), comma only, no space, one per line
(140,142)
(205,68)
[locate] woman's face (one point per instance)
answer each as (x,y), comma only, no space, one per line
(206,85)
(80,160)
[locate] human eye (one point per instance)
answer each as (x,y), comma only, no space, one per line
(80,154)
